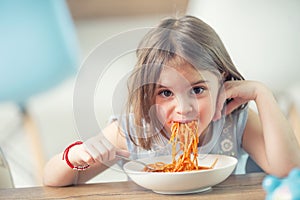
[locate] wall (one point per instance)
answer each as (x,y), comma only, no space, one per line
(261,36)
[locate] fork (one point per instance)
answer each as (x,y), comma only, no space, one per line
(137,161)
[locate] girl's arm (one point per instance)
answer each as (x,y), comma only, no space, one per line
(58,173)
(94,152)
(268,137)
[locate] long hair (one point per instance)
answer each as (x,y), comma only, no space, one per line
(177,41)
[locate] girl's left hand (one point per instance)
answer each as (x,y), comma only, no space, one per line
(238,93)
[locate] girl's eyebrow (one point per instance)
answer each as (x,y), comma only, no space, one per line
(199,82)
(160,86)
(195,83)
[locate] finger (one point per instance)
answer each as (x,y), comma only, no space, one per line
(93,151)
(234,104)
(230,107)
(87,158)
(111,150)
(217,115)
(81,158)
(220,104)
(103,151)
(100,148)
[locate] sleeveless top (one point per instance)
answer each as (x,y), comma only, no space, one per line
(226,139)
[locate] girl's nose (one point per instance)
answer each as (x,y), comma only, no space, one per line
(184,106)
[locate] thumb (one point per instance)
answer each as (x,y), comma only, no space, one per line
(122,152)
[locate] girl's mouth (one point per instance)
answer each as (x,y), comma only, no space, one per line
(183,121)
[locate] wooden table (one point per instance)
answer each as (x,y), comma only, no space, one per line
(235,187)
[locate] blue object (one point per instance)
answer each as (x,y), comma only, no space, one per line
(38,47)
(285,188)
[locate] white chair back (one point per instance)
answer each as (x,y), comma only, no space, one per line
(6,180)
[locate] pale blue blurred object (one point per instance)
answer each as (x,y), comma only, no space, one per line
(287,188)
(38,47)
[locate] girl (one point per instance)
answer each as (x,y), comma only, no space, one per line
(185,74)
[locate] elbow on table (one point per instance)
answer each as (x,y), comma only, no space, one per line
(46,182)
(49,181)
(282,170)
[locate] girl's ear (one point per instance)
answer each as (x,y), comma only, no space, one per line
(224,74)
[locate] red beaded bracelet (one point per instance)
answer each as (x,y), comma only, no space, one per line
(65,157)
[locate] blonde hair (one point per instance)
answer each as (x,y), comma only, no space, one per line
(174,41)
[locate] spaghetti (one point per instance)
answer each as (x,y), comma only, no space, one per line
(184,134)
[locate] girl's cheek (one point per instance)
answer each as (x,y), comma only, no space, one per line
(161,113)
(206,112)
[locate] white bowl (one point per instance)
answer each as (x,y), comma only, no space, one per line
(181,182)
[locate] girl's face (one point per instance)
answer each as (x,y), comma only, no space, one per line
(183,94)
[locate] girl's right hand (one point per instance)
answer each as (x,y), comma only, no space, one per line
(79,156)
(100,149)
(97,148)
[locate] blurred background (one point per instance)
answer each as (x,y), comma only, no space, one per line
(44,44)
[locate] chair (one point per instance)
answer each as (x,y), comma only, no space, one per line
(6,180)
(39,50)
(38,47)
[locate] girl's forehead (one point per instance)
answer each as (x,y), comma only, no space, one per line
(188,73)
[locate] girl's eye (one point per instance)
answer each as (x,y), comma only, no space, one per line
(165,93)
(198,90)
